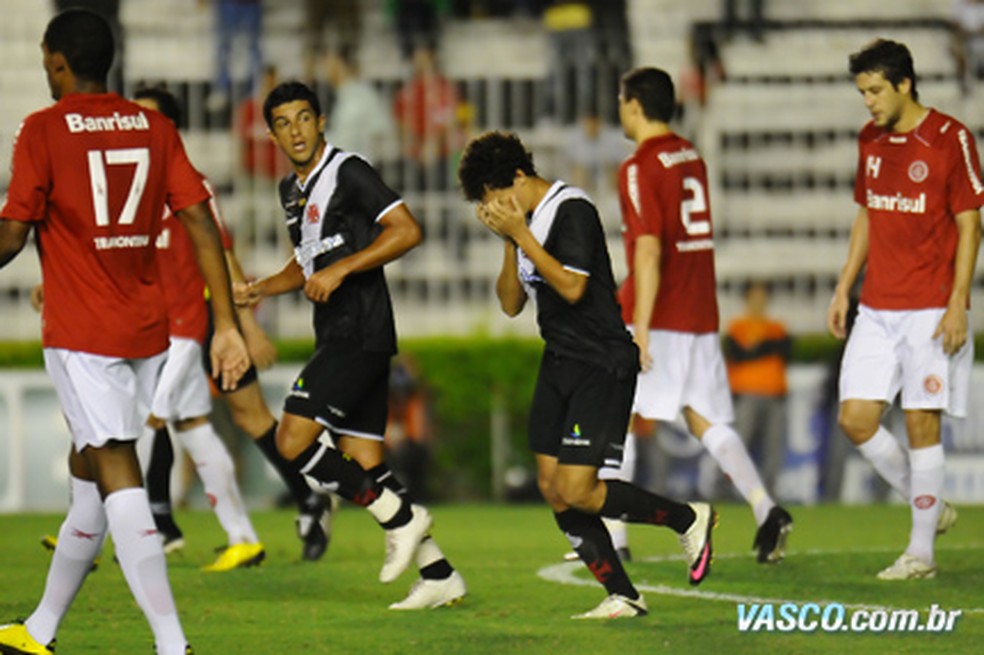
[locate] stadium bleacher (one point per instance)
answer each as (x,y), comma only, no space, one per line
(778,134)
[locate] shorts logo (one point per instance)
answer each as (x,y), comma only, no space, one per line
(924,502)
(297,390)
(933,384)
(575,438)
(918,170)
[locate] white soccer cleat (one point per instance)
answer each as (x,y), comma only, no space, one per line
(431,594)
(908,567)
(402,544)
(947,518)
(696,542)
(616,606)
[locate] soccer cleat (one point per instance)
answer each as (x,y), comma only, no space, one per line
(624,554)
(314,529)
(16,640)
(696,542)
(770,538)
(50,542)
(616,606)
(947,518)
(402,543)
(237,556)
(908,567)
(171,542)
(430,594)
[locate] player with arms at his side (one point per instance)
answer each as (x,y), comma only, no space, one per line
(555,252)
(669,299)
(918,188)
(92,174)
(346,224)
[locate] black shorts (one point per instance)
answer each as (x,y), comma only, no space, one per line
(344,388)
(580,411)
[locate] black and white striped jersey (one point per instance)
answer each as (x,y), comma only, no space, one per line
(334,213)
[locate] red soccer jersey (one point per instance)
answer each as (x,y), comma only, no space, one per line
(184,286)
(93,172)
(663,192)
(913,185)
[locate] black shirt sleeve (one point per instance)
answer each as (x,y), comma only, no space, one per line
(364,189)
(575,234)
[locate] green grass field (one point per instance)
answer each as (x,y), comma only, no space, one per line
(338,606)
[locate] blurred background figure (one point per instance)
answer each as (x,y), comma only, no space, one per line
(417,22)
(757,349)
(752,22)
(359,120)
(968,46)
(594,150)
(408,429)
(340,19)
(425,109)
(232,19)
(258,154)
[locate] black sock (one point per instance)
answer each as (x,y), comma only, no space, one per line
(439,570)
(636,505)
(331,467)
(296,484)
(159,481)
(594,546)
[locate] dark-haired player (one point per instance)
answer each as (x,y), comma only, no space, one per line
(555,253)
(345,224)
(917,231)
(92,174)
(669,300)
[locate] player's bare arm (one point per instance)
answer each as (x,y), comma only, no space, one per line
(646,273)
(261,349)
(13,236)
(507,217)
(857,253)
(287,279)
(230,359)
(953,325)
(400,233)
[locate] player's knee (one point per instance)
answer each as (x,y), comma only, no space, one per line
(575,492)
(858,426)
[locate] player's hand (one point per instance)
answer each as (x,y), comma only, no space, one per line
(482,212)
(37,297)
(230,358)
(504,217)
(322,284)
(837,316)
(246,294)
(642,341)
(953,329)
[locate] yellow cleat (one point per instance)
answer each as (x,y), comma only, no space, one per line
(237,556)
(16,640)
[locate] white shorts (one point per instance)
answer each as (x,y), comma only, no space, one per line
(102,398)
(892,351)
(688,371)
(182,391)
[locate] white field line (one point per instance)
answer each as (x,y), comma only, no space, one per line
(564,573)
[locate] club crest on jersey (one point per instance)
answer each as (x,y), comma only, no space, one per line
(933,384)
(918,171)
(312,213)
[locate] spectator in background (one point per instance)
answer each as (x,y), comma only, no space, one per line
(757,349)
(341,18)
(359,120)
(259,155)
(753,21)
(418,23)
(234,17)
(968,45)
(594,151)
(425,110)
(108,10)
(408,428)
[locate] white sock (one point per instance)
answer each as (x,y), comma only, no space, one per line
(141,557)
(889,459)
(729,451)
(428,552)
(385,507)
(79,541)
(218,474)
(927,487)
(625,472)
